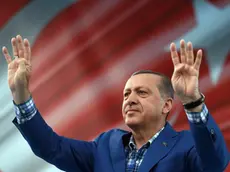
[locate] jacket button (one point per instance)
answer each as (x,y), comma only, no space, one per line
(213,135)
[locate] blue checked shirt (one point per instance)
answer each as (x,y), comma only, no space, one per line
(25,111)
(134,157)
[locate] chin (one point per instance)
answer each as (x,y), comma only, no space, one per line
(130,122)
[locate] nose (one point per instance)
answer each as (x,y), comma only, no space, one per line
(132,99)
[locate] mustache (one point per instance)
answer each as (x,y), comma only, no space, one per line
(132,108)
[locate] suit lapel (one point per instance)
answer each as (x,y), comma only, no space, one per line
(117,151)
(159,148)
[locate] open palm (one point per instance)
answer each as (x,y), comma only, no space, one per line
(186,72)
(19,69)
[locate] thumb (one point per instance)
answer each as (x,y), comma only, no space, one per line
(180,68)
(177,71)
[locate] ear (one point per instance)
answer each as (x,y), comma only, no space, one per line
(167,106)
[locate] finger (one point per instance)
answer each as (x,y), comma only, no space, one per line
(198,60)
(14,47)
(6,54)
(20,46)
(174,54)
(190,55)
(182,51)
(27,50)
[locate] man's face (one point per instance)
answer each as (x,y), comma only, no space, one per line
(142,102)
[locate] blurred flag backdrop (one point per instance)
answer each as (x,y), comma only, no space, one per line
(84,51)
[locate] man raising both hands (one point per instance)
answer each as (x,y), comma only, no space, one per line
(152,145)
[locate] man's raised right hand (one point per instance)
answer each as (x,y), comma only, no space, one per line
(19,69)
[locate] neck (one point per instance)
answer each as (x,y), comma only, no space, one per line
(142,134)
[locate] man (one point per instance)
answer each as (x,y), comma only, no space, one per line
(152,144)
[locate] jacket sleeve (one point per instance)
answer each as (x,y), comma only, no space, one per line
(209,152)
(66,154)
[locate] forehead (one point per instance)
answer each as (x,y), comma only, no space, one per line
(142,80)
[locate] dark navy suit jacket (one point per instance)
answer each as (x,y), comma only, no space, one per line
(202,149)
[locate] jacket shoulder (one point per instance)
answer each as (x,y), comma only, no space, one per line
(186,136)
(113,132)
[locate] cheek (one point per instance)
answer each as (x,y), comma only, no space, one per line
(123,108)
(151,106)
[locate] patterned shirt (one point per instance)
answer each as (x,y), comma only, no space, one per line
(134,157)
(25,111)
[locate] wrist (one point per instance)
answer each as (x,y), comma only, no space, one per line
(21,96)
(196,109)
(195,106)
(195,97)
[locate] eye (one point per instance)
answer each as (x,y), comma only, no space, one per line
(141,92)
(126,94)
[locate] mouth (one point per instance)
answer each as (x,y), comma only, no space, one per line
(131,111)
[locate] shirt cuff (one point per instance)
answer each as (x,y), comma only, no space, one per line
(198,117)
(25,111)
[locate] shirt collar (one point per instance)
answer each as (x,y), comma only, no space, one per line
(132,145)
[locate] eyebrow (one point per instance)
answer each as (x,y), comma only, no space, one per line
(137,88)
